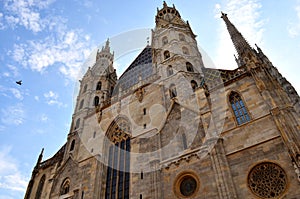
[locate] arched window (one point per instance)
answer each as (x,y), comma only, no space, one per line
(98,87)
(84,88)
(118,170)
(72,145)
(81,104)
(169,70)
(172,90)
(185,51)
(96,101)
(165,40)
(77,123)
(194,85)
(166,54)
(181,37)
(40,187)
(238,107)
(189,67)
(65,187)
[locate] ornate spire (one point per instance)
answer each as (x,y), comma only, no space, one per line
(239,42)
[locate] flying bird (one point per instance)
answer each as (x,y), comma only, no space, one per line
(19,82)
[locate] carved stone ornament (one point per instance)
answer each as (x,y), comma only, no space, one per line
(139,93)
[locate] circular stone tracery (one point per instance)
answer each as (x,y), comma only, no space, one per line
(267,180)
(186,185)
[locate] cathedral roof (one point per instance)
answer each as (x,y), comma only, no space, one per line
(139,69)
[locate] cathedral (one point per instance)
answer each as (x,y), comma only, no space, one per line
(169,127)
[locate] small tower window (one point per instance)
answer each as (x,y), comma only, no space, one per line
(172,90)
(166,54)
(238,107)
(65,187)
(181,37)
(72,145)
(145,111)
(84,88)
(185,51)
(98,87)
(189,67)
(77,123)
(169,70)
(81,104)
(94,135)
(96,101)
(165,40)
(194,85)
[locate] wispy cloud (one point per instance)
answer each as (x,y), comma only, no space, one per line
(7,92)
(13,115)
(10,175)
(67,49)
(26,13)
(294,27)
(245,15)
(52,98)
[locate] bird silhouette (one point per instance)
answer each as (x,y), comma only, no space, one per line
(19,82)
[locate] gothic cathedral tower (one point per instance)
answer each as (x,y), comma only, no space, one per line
(169,127)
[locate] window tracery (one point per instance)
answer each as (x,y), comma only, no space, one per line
(267,180)
(65,187)
(118,170)
(239,109)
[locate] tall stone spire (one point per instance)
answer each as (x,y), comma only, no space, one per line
(239,42)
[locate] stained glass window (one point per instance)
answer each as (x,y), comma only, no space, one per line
(238,107)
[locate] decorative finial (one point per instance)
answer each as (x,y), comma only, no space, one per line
(165,4)
(224,15)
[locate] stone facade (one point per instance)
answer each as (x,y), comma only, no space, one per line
(171,128)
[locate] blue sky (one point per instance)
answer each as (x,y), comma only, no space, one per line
(45,43)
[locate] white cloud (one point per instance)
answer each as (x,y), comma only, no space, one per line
(26,13)
(13,115)
(52,98)
(14,70)
(10,176)
(66,50)
(37,98)
(44,118)
(245,15)
(16,93)
(294,27)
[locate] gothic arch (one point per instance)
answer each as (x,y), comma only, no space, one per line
(238,107)
(99,85)
(65,187)
(40,187)
(117,149)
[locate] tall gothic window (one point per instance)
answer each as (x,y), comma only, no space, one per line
(72,145)
(65,187)
(77,123)
(84,88)
(98,87)
(194,85)
(169,70)
(172,90)
(118,170)
(81,104)
(96,101)
(189,67)
(40,187)
(166,54)
(240,111)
